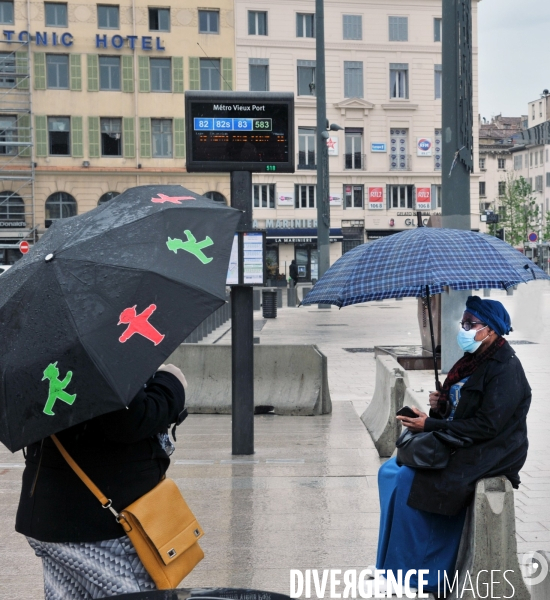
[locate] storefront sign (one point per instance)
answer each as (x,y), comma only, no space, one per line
(423,198)
(376,198)
(286,199)
(332,144)
(12,224)
(335,199)
(66,39)
(378,147)
(424,147)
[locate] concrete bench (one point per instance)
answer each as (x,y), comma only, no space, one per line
(389,393)
(291,378)
(489,544)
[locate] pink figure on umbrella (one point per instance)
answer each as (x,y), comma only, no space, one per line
(139,324)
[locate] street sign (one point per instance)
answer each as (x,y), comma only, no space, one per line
(24,247)
(240,131)
(533,237)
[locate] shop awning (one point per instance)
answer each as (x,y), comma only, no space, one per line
(297,236)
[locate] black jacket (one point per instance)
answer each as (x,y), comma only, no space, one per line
(492,412)
(120,453)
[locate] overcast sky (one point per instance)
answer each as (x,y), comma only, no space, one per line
(514,55)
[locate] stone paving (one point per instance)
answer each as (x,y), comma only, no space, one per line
(308,497)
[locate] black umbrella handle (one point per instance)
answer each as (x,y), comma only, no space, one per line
(437,384)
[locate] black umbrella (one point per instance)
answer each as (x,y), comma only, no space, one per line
(101,301)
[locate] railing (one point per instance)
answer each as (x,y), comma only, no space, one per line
(355,161)
(400,162)
(306,161)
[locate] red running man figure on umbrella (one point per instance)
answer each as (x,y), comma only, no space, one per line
(57,388)
(139,324)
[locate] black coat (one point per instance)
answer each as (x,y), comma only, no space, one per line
(492,412)
(120,453)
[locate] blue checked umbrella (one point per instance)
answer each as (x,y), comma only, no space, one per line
(421,262)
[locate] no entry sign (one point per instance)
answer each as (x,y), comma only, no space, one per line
(24,247)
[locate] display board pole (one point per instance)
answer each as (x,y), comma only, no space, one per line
(242,332)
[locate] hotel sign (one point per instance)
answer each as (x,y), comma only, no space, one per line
(66,39)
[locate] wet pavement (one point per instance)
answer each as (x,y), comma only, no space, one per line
(308,498)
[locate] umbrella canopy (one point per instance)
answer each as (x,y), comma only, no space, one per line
(405,263)
(101,301)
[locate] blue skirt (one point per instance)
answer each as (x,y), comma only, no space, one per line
(411,538)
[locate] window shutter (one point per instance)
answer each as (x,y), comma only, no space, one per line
(76,73)
(24,134)
(388,197)
(145,137)
(41,135)
(39,70)
(179,138)
(403,29)
(144,77)
(93,137)
(127,74)
(22,66)
(129,137)
(194,73)
(77,141)
(177,74)
(227,72)
(433,206)
(93,72)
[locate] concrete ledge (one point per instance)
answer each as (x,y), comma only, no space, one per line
(389,392)
(291,378)
(489,544)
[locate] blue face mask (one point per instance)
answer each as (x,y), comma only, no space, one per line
(466,340)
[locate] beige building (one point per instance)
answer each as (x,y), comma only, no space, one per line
(383,88)
(103,87)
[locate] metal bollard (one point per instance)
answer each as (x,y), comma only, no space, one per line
(291,297)
(257,300)
(279,297)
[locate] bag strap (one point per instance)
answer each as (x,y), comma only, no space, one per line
(105,502)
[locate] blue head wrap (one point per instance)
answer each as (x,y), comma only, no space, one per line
(490,312)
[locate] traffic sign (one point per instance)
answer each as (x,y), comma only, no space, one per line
(533,237)
(24,247)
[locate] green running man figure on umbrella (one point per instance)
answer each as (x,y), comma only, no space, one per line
(57,387)
(191,246)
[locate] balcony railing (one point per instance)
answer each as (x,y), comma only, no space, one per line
(400,162)
(306,161)
(355,161)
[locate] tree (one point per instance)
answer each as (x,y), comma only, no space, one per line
(518,212)
(546,230)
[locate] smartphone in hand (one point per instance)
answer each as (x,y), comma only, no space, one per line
(406,412)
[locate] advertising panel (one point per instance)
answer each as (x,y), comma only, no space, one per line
(424,198)
(376,198)
(424,147)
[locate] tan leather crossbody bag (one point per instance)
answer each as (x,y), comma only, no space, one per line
(160,525)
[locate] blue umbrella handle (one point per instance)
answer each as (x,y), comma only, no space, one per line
(437,383)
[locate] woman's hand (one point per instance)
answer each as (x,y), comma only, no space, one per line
(434,399)
(415,425)
(175,371)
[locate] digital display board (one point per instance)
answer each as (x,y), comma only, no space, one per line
(240,131)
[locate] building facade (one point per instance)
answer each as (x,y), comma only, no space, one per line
(92,103)
(383,74)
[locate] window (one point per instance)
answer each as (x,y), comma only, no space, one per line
(8,133)
(353,158)
(257,23)
(482,164)
(540,109)
(259,74)
(536,159)
(11,206)
(161,74)
(57,71)
(399,29)
(438,80)
(542,157)
(400,196)
(530,182)
(482,193)
(209,21)
(501,163)
(353,27)
(216,196)
(60,205)
(306,78)
(59,130)
(353,196)
(399,80)
(518,162)
(306,148)
(109,72)
(106,197)
(353,79)
(530,159)
(538,184)
(7,66)
(305,196)
(547,156)
(6,13)
(399,143)
(305,25)
(107,16)
(438,143)
(264,195)
(436,196)
(161,130)
(210,73)
(437,30)
(547,179)
(159,19)
(501,188)
(56,14)
(111,137)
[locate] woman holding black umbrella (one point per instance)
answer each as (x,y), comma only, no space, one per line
(84,551)
(485,398)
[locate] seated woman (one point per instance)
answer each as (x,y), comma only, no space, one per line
(486,398)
